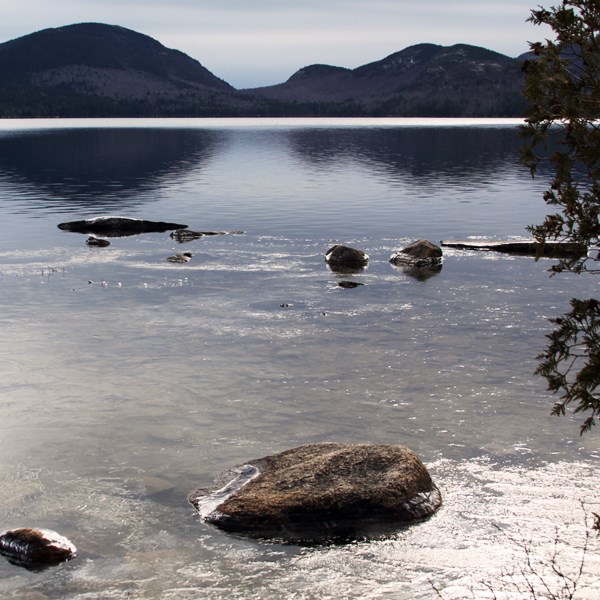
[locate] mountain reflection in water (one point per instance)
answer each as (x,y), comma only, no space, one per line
(107,169)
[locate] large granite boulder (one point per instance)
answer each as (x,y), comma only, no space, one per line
(421,253)
(341,258)
(321,492)
(36,549)
(118,226)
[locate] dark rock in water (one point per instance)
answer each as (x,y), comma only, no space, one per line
(180,258)
(94,241)
(340,258)
(524,247)
(421,253)
(36,548)
(349,284)
(118,226)
(186,235)
(322,492)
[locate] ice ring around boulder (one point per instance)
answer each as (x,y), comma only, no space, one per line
(36,549)
(321,492)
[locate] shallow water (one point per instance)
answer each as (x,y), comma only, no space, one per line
(128,381)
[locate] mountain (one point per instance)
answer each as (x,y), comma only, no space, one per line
(99,52)
(93,69)
(98,70)
(422,80)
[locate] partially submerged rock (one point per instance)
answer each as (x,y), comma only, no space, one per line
(524,247)
(118,226)
(180,258)
(187,235)
(349,284)
(322,492)
(419,254)
(36,548)
(94,241)
(341,257)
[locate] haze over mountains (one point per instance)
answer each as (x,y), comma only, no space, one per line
(98,70)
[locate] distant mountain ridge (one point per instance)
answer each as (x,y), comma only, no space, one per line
(94,69)
(100,47)
(459,80)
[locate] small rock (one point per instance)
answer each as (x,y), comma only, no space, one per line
(36,548)
(421,253)
(180,258)
(94,241)
(343,257)
(349,284)
(185,235)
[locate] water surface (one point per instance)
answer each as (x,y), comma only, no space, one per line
(128,381)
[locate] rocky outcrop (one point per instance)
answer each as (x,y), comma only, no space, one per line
(36,548)
(524,247)
(322,492)
(118,226)
(341,257)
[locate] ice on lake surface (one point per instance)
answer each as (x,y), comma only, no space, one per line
(128,381)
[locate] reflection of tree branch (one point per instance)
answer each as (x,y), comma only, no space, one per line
(577,265)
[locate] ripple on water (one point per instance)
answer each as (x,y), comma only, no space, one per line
(494,517)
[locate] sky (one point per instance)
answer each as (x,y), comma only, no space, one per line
(252,43)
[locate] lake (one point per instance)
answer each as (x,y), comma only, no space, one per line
(129,381)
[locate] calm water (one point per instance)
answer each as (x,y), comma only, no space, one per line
(128,381)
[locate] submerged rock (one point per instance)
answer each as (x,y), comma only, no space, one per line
(118,226)
(349,284)
(94,241)
(524,247)
(180,258)
(421,253)
(322,492)
(341,257)
(36,548)
(186,235)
